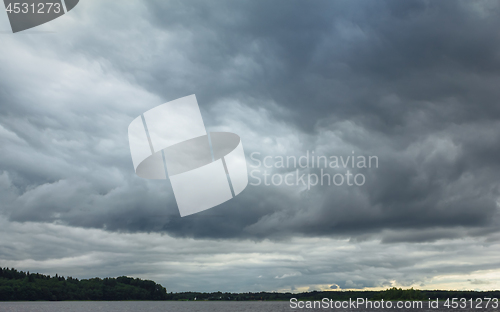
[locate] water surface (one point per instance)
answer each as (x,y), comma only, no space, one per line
(181,306)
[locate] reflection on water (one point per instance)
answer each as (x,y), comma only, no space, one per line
(176,306)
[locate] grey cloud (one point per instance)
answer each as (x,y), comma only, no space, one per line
(210,265)
(335,77)
(479,282)
(412,82)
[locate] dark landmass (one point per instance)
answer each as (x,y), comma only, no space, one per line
(24,286)
(20,286)
(389,294)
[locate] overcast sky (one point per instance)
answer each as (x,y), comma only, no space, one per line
(414,83)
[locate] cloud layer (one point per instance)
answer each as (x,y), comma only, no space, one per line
(413,83)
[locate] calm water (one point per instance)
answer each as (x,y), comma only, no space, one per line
(172,306)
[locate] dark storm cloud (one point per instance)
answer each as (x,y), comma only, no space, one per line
(413,82)
(341,58)
(210,265)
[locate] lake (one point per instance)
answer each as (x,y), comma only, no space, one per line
(176,306)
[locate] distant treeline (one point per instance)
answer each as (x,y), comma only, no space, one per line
(25,286)
(389,294)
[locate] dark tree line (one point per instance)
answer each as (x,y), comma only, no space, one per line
(19,285)
(389,294)
(24,286)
